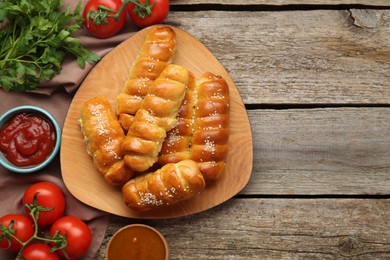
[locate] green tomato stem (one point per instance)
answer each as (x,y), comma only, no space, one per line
(25,243)
(34,214)
(102,13)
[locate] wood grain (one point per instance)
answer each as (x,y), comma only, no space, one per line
(278,229)
(323,151)
(282,2)
(107,79)
(298,57)
(327,73)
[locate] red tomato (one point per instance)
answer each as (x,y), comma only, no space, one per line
(39,252)
(78,235)
(23,227)
(159,13)
(49,196)
(104,30)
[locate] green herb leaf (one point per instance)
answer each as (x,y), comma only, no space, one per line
(35,36)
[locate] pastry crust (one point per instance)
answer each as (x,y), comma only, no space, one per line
(104,136)
(202,132)
(156,115)
(166,186)
(156,53)
(162,115)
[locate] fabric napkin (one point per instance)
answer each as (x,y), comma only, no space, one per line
(55,96)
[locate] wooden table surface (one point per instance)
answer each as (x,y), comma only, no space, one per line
(315,79)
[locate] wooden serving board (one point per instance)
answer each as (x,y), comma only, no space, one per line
(107,79)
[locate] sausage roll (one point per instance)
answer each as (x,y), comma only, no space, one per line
(168,185)
(202,132)
(156,53)
(104,136)
(156,115)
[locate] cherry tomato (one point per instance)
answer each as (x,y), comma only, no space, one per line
(50,196)
(104,30)
(78,235)
(23,227)
(159,13)
(39,252)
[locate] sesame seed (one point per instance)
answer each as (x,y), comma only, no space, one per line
(149,199)
(214,114)
(210,146)
(173,137)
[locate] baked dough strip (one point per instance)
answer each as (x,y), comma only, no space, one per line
(156,53)
(202,132)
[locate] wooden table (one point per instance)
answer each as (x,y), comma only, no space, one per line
(315,79)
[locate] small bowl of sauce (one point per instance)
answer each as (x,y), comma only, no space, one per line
(29,139)
(137,241)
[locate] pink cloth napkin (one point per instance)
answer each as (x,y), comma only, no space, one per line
(55,96)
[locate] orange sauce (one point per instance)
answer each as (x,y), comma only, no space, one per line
(137,242)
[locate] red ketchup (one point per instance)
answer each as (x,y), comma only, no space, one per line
(27,139)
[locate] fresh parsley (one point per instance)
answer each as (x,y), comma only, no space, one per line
(35,36)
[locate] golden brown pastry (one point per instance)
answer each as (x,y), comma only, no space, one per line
(166,186)
(156,53)
(155,117)
(202,132)
(104,136)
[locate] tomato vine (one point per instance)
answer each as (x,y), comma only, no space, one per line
(8,233)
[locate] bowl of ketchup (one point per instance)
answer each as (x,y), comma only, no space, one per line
(29,139)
